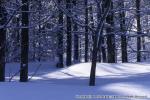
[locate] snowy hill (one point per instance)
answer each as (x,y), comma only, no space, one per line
(71,83)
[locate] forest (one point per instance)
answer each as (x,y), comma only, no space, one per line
(68,33)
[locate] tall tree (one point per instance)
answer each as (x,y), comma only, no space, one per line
(138,18)
(98,19)
(86,31)
(76,38)
(110,37)
(97,42)
(3,18)
(91,21)
(24,41)
(39,30)
(103,49)
(123,35)
(69,35)
(60,38)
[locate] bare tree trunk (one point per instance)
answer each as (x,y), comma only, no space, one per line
(103,49)
(123,36)
(60,39)
(24,42)
(92,25)
(76,39)
(144,47)
(110,39)
(69,35)
(138,18)
(2,42)
(39,31)
(86,31)
(99,45)
(97,41)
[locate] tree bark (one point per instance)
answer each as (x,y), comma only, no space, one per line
(97,41)
(103,49)
(24,42)
(39,31)
(76,39)
(123,36)
(69,35)
(110,38)
(86,31)
(3,19)
(138,18)
(60,39)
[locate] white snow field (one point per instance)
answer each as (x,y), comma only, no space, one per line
(129,81)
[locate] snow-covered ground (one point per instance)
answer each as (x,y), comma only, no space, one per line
(71,83)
